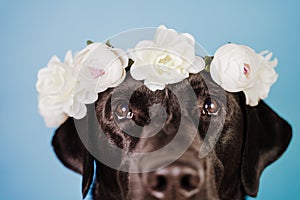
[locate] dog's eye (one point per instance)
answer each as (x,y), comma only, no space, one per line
(122,111)
(211,107)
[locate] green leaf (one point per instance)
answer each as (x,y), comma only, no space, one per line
(109,44)
(89,42)
(130,62)
(207,60)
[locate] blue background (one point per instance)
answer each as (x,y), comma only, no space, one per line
(32,31)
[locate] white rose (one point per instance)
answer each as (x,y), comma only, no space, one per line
(168,59)
(238,68)
(98,67)
(55,86)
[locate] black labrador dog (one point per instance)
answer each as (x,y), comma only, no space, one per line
(250,138)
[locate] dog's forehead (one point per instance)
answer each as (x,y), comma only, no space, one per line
(199,83)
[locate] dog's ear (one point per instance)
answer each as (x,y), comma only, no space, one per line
(267,136)
(72,153)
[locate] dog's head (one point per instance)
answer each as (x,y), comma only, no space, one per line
(245,140)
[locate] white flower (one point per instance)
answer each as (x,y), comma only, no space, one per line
(168,59)
(98,67)
(238,68)
(55,86)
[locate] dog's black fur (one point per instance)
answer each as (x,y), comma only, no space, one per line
(251,139)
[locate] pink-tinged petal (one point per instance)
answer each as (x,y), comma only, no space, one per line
(96,73)
(244,71)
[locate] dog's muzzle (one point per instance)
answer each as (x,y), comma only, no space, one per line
(172,177)
(176,181)
(187,178)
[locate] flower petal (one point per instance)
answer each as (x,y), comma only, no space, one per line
(197,66)
(153,86)
(168,59)
(228,70)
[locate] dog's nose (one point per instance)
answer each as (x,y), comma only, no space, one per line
(173,182)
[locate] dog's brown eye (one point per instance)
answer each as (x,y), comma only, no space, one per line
(122,111)
(211,107)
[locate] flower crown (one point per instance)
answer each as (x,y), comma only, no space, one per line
(64,88)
